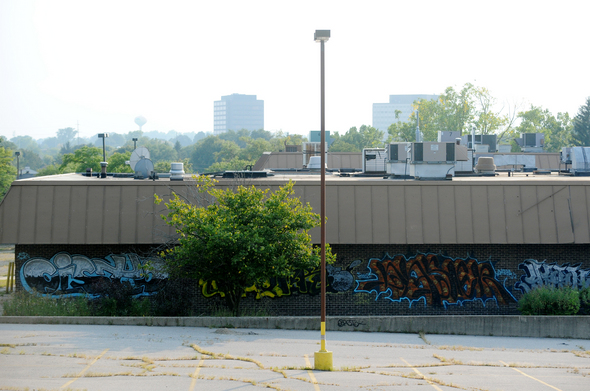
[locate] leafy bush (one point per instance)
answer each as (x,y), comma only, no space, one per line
(546,300)
(585,301)
(27,304)
(174,298)
(117,299)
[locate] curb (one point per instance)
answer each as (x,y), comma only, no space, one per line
(573,327)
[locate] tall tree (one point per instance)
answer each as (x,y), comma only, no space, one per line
(355,140)
(581,129)
(83,158)
(7,170)
(242,239)
(557,130)
(66,134)
(487,120)
(401,131)
(457,108)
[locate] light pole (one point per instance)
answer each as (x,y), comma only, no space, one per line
(103,136)
(134,143)
(323,358)
(17,154)
(103,164)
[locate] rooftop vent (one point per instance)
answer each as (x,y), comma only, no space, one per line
(315,163)
(176,171)
(485,165)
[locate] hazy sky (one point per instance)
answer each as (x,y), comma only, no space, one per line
(102,63)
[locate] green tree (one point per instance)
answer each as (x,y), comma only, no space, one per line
(457,108)
(242,239)
(66,134)
(117,162)
(212,150)
(52,169)
(235,164)
(7,170)
(427,117)
(487,121)
(81,159)
(455,111)
(365,137)
(254,148)
(581,127)
(401,131)
(557,130)
(31,159)
(25,142)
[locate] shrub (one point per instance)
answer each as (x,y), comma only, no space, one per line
(117,299)
(174,298)
(585,301)
(546,300)
(27,304)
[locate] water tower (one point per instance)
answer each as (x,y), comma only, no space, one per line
(140,121)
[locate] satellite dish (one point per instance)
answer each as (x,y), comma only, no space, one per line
(140,121)
(144,168)
(137,155)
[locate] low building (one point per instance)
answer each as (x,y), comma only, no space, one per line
(470,245)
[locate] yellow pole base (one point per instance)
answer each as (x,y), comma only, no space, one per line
(322,360)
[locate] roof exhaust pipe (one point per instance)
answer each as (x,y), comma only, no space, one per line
(103,169)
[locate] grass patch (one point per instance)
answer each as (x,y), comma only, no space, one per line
(26,304)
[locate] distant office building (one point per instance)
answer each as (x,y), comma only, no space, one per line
(315,136)
(236,112)
(384,113)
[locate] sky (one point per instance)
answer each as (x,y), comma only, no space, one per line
(96,65)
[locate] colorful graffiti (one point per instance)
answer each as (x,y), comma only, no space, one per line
(434,279)
(303,282)
(72,275)
(541,273)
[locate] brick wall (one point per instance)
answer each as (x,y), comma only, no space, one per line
(504,260)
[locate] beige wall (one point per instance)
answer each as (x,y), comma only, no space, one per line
(369,211)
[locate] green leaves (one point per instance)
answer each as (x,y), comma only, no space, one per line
(244,238)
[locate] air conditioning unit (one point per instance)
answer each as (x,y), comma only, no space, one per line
(374,160)
(397,162)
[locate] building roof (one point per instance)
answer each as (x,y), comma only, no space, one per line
(73,209)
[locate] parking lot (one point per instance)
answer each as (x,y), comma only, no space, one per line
(83,357)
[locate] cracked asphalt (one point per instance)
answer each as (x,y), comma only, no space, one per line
(81,357)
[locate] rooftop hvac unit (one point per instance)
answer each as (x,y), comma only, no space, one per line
(566,155)
(531,142)
(580,160)
(397,163)
(431,152)
(312,149)
(374,160)
(448,136)
(489,140)
(315,163)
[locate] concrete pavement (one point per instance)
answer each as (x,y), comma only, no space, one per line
(126,357)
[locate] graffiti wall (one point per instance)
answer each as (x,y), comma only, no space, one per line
(65,274)
(433,279)
(430,283)
(541,273)
(303,282)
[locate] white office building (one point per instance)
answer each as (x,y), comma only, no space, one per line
(236,112)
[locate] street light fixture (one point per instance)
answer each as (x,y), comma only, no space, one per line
(103,136)
(103,164)
(323,358)
(17,154)
(134,142)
